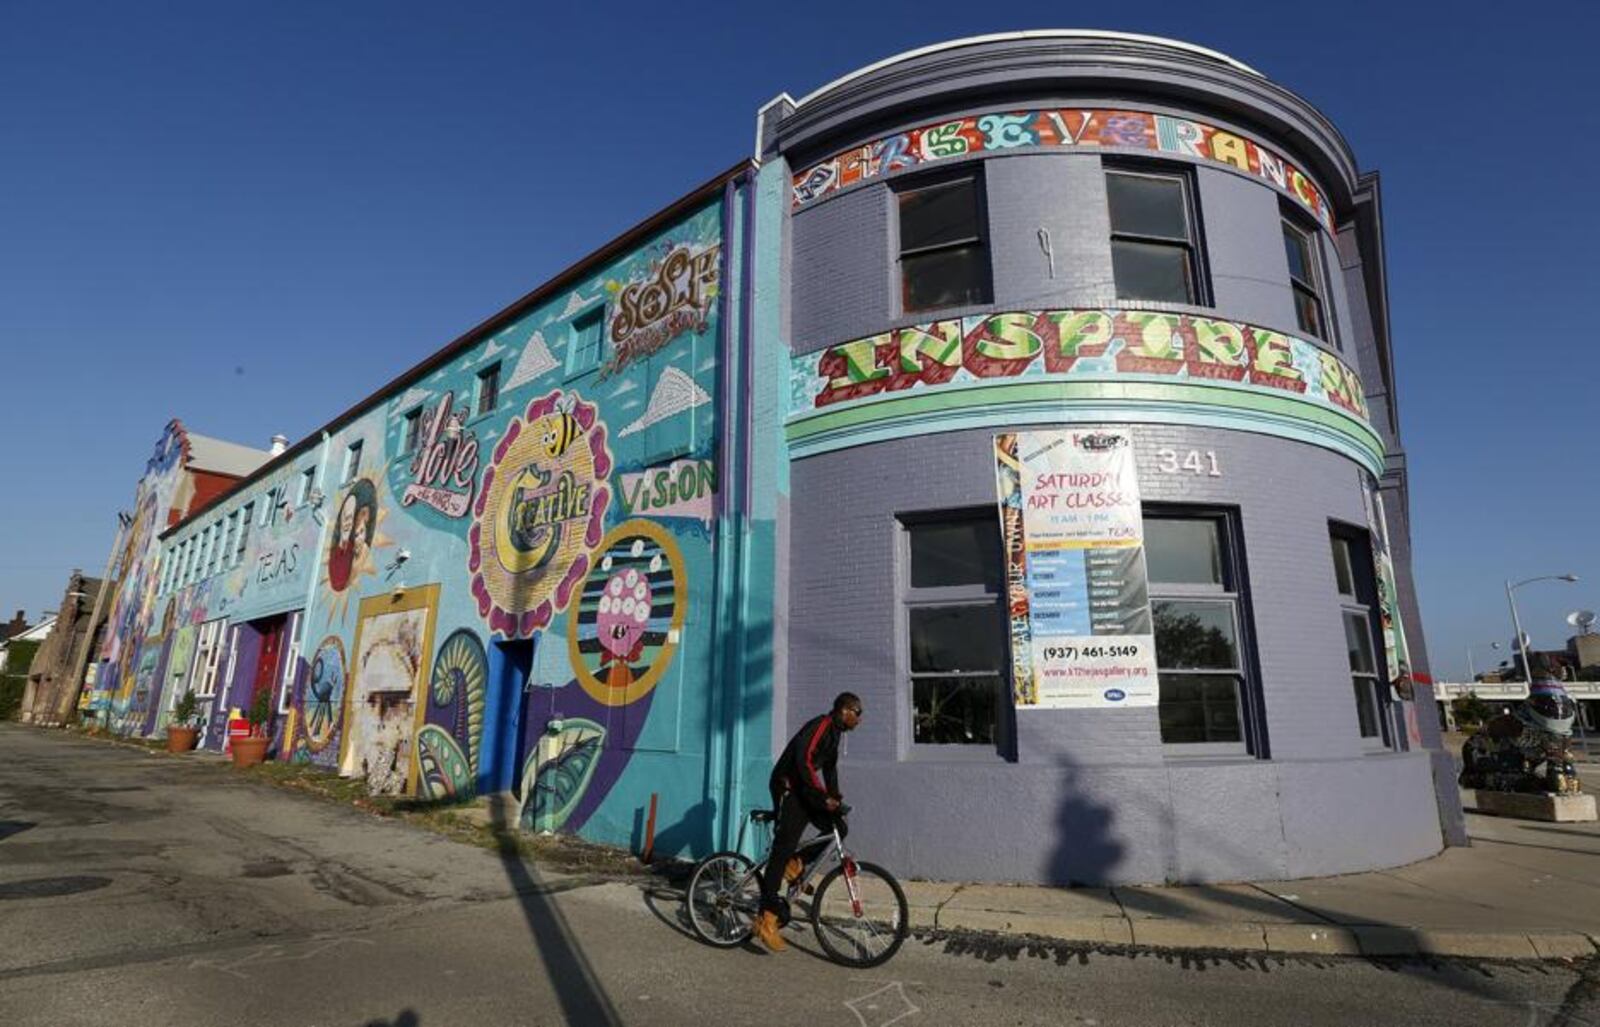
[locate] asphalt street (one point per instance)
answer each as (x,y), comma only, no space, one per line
(140,889)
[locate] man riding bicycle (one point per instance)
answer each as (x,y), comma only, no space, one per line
(805,789)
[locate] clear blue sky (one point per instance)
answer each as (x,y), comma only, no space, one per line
(250,215)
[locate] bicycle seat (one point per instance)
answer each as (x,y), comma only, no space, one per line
(761,816)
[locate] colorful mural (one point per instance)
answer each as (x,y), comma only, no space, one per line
(981,361)
(456,693)
(628,624)
(540,514)
(1118,129)
(480,607)
(394,636)
(354,537)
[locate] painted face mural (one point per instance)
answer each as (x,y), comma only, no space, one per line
(324,693)
(539,514)
(628,622)
(351,543)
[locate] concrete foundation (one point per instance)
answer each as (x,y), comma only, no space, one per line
(1557,808)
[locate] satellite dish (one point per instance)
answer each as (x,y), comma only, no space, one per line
(1582,620)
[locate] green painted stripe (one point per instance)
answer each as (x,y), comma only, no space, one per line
(1200,403)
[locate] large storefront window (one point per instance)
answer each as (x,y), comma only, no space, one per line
(955,628)
(1201,627)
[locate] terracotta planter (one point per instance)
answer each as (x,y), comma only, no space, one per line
(247,752)
(181,739)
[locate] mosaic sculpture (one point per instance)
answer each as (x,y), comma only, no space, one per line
(1527,751)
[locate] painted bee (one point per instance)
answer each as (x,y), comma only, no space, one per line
(561,429)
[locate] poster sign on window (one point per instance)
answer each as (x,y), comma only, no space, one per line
(1076,587)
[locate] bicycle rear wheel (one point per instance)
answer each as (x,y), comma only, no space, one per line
(863,928)
(724,898)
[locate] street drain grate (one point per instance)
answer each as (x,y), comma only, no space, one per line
(49,887)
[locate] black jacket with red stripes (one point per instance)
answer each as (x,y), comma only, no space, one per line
(809,766)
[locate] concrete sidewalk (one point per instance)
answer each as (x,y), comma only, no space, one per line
(1523,890)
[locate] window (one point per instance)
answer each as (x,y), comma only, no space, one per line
(308,481)
(291,663)
(352,461)
(585,346)
(269,510)
(413,431)
(245,517)
(214,547)
(1154,245)
(1201,628)
(1305,278)
(188,561)
(955,628)
(943,259)
(489,386)
(1355,578)
(228,537)
(207,656)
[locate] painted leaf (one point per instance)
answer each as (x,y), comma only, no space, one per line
(444,771)
(558,773)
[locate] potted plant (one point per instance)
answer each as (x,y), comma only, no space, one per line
(247,752)
(183,730)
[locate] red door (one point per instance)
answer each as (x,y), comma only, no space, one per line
(267,664)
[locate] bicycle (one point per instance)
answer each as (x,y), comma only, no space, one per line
(860,923)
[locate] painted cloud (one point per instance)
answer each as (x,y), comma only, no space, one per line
(675,393)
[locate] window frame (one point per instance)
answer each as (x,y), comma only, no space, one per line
(352,461)
(1234,590)
(291,657)
(576,367)
(206,686)
(902,188)
(1363,603)
(910,598)
(1193,245)
(1317,288)
(411,434)
(246,516)
(491,374)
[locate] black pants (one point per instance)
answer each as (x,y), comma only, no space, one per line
(793,816)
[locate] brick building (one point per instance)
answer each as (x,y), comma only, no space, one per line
(1037,387)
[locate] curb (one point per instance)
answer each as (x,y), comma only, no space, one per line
(1369,940)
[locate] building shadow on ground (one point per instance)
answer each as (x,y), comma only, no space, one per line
(577,987)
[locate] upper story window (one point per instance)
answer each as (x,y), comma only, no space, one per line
(1306,278)
(352,460)
(586,345)
(489,388)
(413,431)
(245,517)
(944,261)
(1155,248)
(308,481)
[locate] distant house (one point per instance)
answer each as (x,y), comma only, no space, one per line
(34,635)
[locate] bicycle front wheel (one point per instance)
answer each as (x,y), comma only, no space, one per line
(861,919)
(724,898)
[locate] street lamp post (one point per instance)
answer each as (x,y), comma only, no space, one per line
(1522,640)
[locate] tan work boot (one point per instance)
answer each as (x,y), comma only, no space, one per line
(767,931)
(793,869)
